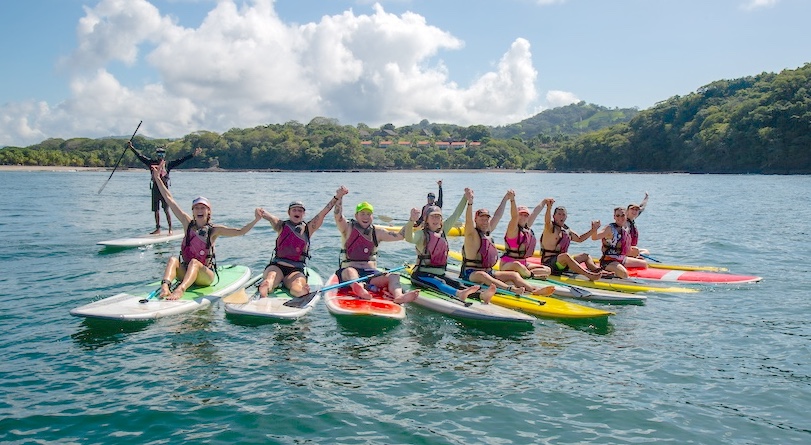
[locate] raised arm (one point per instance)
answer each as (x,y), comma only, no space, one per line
(338,212)
(500,210)
(439,195)
(177,162)
(512,226)
(643,204)
(274,220)
(408,235)
(316,222)
(167,195)
(450,221)
(471,236)
(535,212)
(145,160)
(595,225)
(228,231)
(547,219)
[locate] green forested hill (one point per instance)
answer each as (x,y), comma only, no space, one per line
(758,124)
(571,119)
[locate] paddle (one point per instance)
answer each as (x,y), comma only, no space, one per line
(578,292)
(506,292)
(240,296)
(121,157)
(155,292)
(421,284)
(302,301)
(648,257)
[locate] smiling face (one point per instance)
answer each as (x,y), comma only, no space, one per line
(201,212)
(632,212)
(619,215)
(296,214)
(434,221)
(364,218)
(559,217)
(483,220)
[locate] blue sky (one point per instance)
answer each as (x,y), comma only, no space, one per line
(92,68)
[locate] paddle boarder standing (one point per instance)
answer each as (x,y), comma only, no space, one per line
(160,162)
(432,201)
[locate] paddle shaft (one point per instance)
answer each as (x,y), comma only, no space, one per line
(648,257)
(506,292)
(304,299)
(121,157)
(579,290)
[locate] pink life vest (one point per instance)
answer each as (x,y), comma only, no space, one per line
(633,232)
(358,247)
(522,246)
(562,244)
(293,243)
(487,254)
(197,245)
(435,253)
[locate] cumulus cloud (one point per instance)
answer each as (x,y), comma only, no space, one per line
(560,98)
(751,5)
(243,66)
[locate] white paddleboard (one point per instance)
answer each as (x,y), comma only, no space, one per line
(274,305)
(144,306)
(143,240)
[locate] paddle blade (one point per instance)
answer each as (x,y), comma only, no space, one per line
(238,297)
(301,301)
(579,292)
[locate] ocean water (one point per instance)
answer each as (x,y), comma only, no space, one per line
(728,365)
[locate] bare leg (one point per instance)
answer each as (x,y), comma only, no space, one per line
(272,278)
(574,265)
(349,274)
(197,273)
(169,275)
(168,218)
(397,291)
(157,222)
(462,294)
(296,284)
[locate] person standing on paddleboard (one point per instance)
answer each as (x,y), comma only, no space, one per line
(479,255)
(157,198)
(632,212)
(520,241)
(432,248)
(358,257)
(196,263)
(616,244)
(432,201)
(555,241)
(293,247)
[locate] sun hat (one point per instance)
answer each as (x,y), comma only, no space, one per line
(523,209)
(364,206)
(201,200)
(296,204)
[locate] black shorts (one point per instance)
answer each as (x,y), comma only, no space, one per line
(286,270)
(157,199)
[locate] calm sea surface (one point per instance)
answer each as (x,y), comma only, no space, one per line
(728,365)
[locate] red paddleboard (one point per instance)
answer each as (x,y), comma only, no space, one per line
(342,301)
(686,276)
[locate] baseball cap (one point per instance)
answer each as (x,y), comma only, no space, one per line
(481,212)
(201,200)
(433,209)
(631,206)
(431,195)
(296,204)
(364,206)
(523,209)
(160,151)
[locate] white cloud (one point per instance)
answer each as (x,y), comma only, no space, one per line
(758,4)
(560,98)
(244,67)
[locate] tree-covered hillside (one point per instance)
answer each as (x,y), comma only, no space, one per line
(759,124)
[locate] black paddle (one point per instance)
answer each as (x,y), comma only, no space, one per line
(121,157)
(302,301)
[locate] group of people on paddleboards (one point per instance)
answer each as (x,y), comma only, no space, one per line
(482,271)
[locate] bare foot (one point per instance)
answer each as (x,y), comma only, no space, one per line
(543,291)
(170,230)
(407,297)
(176,294)
(464,293)
(164,289)
(539,274)
(264,287)
(156,231)
(360,291)
(593,276)
(487,295)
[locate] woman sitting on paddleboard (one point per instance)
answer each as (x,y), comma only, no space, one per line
(520,241)
(196,263)
(632,212)
(616,245)
(359,239)
(432,247)
(555,241)
(293,247)
(479,255)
